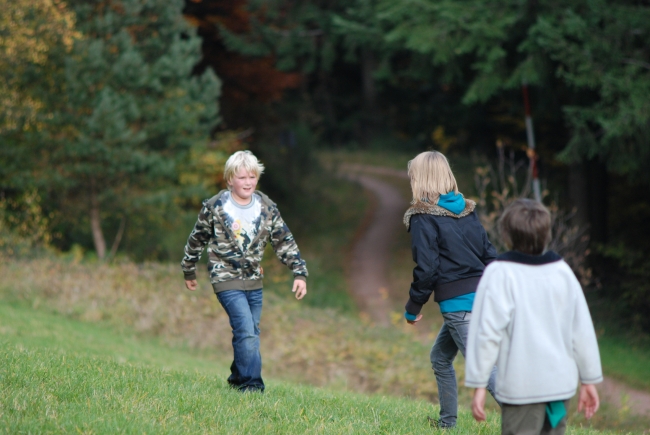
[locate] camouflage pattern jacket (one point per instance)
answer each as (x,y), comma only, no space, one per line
(231,268)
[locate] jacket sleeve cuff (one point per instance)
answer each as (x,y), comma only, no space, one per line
(595,380)
(300,277)
(410,317)
(474,384)
(413,307)
(190,276)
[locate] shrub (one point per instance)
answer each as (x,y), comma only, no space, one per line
(511,180)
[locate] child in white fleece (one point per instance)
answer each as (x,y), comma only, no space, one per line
(531,320)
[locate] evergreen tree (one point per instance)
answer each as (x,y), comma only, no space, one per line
(590,56)
(324,41)
(127,110)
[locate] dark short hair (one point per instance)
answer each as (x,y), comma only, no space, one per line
(525,226)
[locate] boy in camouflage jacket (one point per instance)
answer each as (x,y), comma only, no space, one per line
(236,224)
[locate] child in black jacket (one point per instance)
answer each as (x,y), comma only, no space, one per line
(450,249)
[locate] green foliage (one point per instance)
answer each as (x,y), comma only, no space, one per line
(24,228)
(625,359)
(32,35)
(299,35)
(118,112)
(591,56)
(631,294)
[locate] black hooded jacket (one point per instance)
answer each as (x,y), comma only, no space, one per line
(450,251)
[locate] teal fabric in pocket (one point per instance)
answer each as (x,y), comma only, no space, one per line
(555,411)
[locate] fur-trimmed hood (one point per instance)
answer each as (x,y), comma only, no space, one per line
(421,207)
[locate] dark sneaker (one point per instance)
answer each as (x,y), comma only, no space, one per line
(436,423)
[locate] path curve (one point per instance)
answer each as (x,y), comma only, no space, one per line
(371,253)
(370,261)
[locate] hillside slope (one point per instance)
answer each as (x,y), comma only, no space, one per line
(61,375)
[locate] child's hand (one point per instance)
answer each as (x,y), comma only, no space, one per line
(478,404)
(588,400)
(191,285)
(299,288)
(413,322)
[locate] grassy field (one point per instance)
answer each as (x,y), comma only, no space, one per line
(61,375)
(123,348)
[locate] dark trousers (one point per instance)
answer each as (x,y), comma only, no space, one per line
(529,420)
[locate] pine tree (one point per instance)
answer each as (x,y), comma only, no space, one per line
(126,110)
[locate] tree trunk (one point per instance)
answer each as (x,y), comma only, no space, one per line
(96,223)
(118,237)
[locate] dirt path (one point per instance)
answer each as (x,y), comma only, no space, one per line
(370,262)
(371,253)
(621,395)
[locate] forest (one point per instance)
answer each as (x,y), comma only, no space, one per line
(116,116)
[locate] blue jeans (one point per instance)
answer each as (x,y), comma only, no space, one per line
(244,309)
(451,338)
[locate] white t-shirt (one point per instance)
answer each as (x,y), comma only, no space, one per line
(243,220)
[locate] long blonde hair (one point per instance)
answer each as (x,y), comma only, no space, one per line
(431,177)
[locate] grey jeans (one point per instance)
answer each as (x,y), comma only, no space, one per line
(451,338)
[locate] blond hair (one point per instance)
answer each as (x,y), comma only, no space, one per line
(525,226)
(431,177)
(245,160)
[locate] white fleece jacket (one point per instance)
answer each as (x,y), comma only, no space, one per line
(530,318)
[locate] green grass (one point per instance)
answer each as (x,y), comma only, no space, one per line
(123,348)
(64,376)
(624,350)
(22,326)
(320,346)
(624,361)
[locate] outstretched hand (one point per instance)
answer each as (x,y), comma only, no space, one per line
(478,404)
(191,284)
(588,400)
(299,288)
